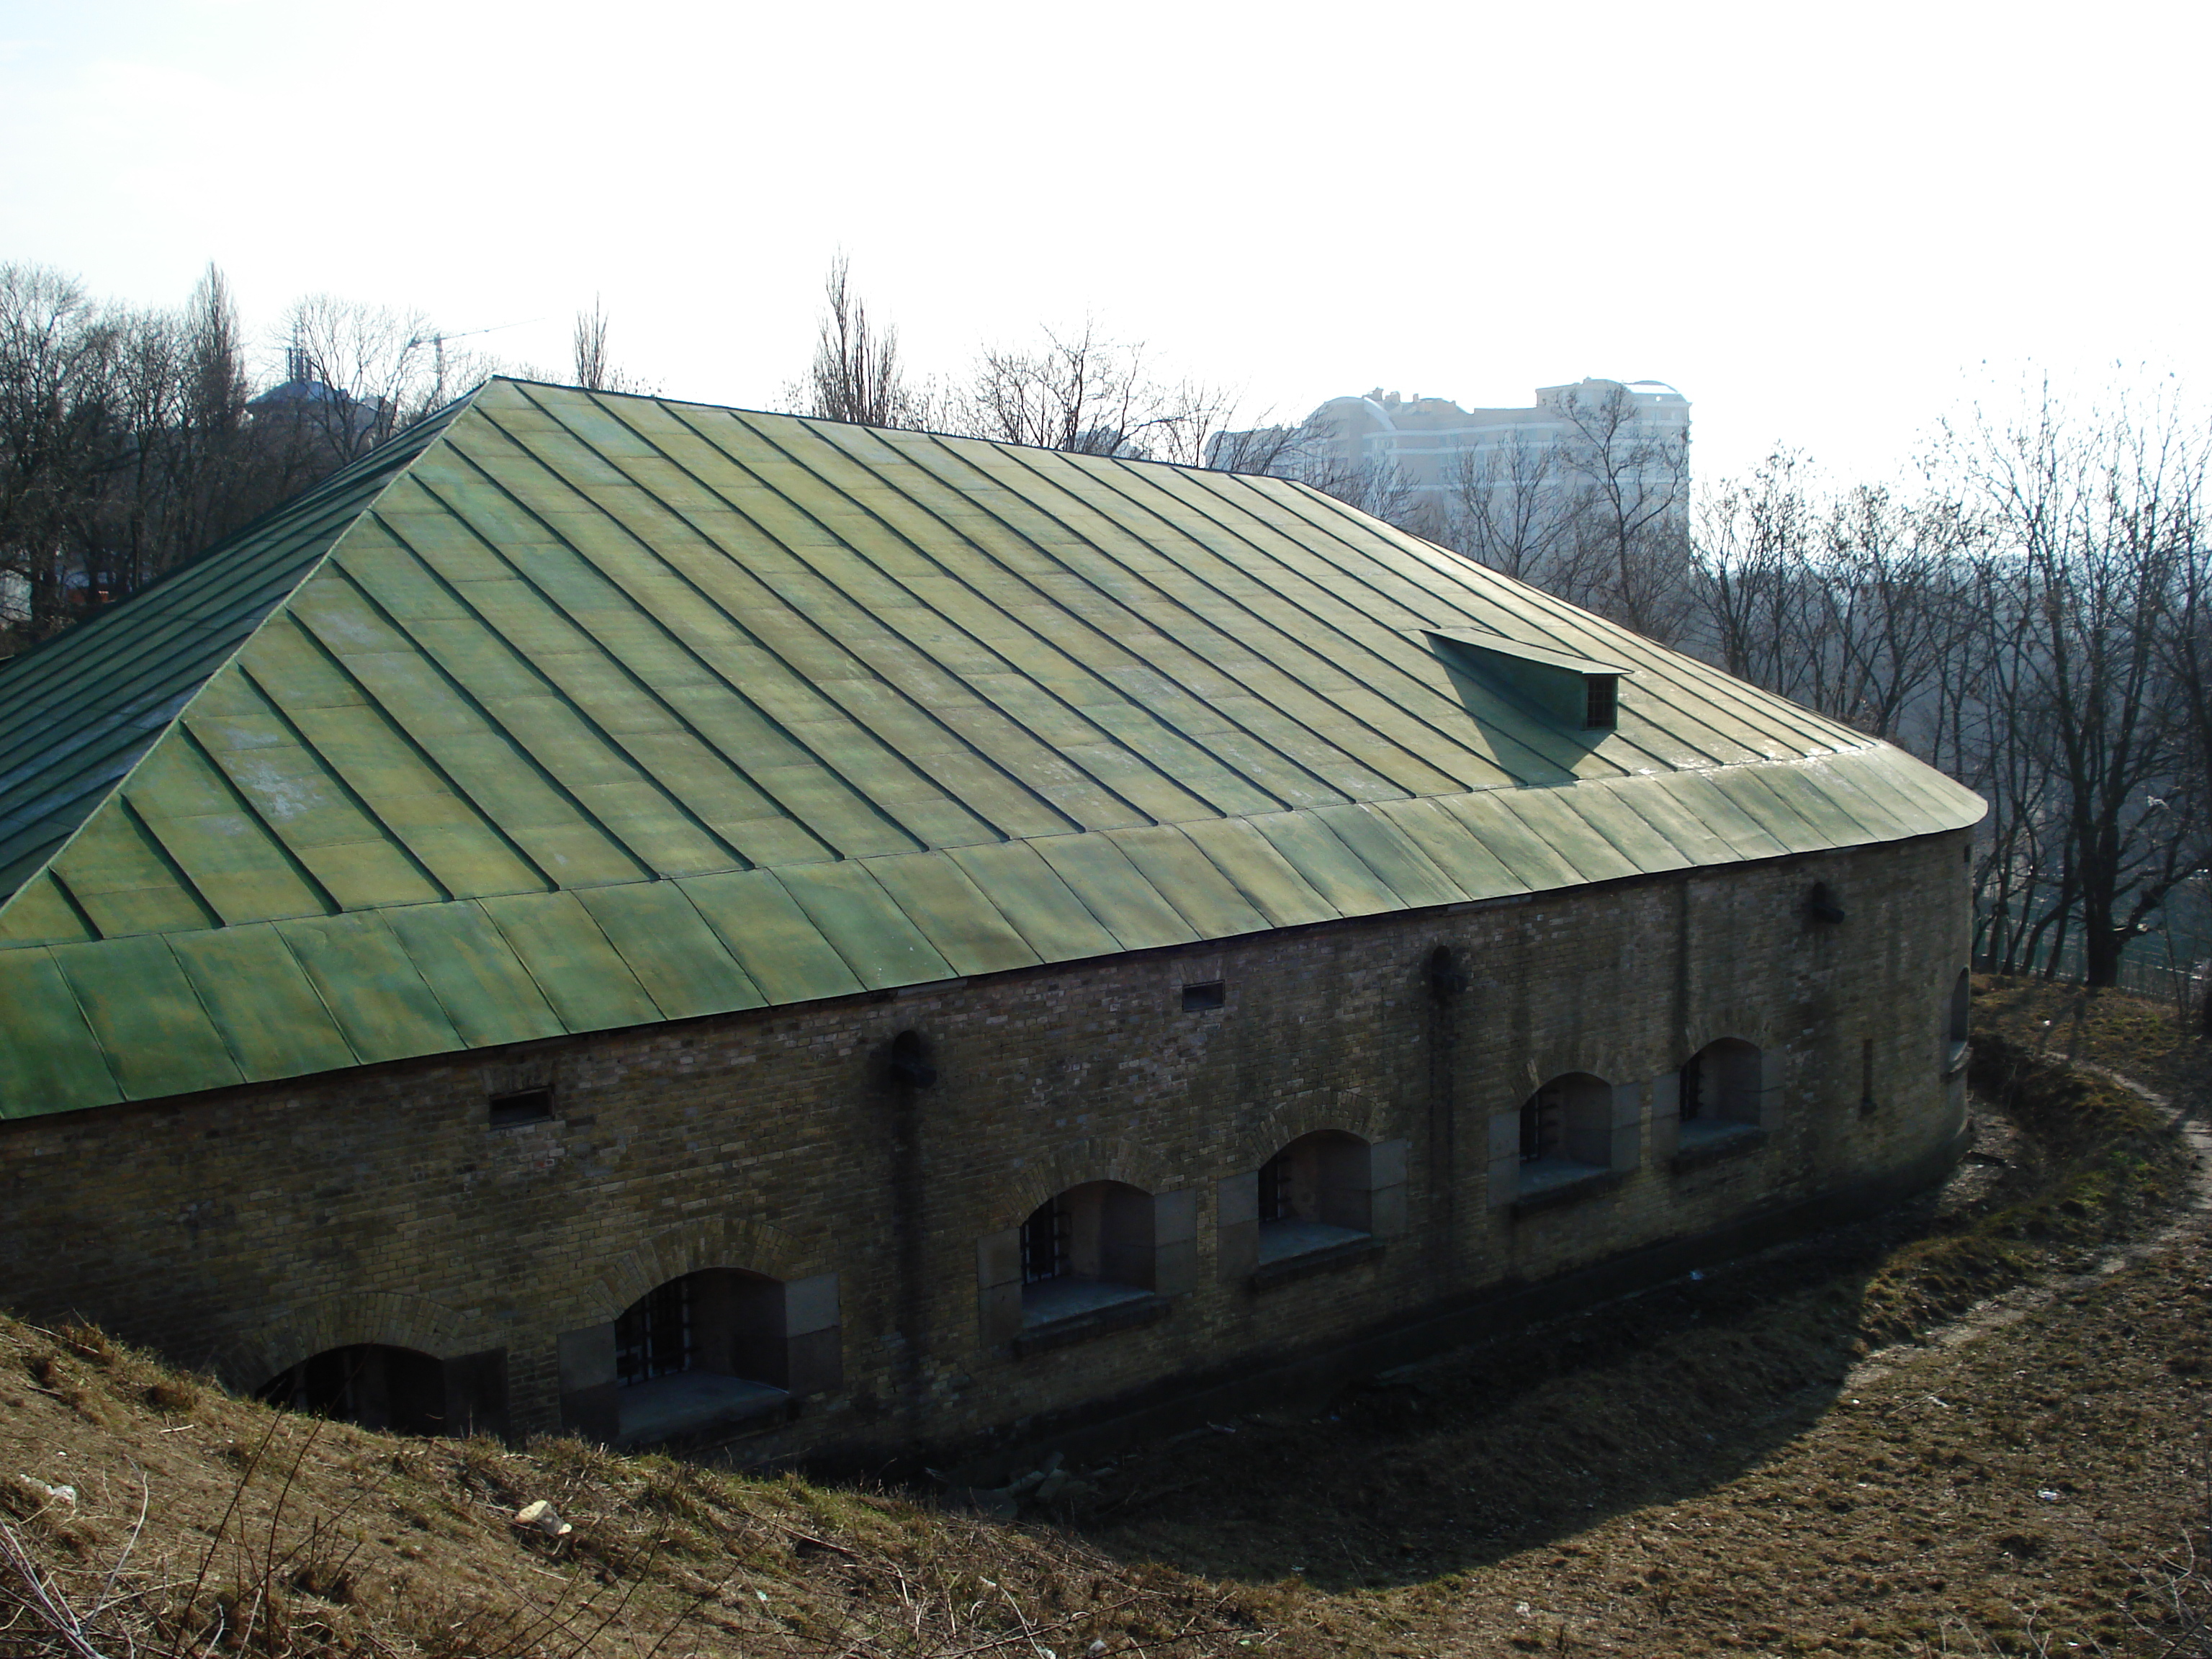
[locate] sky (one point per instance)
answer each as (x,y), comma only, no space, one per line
(1826,225)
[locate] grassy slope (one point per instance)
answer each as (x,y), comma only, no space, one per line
(1711,1466)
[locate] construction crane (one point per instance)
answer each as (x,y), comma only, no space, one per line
(437,343)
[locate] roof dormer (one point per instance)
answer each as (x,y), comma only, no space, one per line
(1581,695)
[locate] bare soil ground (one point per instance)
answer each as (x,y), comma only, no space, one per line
(1973,1426)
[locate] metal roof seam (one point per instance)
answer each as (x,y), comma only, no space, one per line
(646,774)
(1396,705)
(1443,560)
(1178,732)
(1150,656)
(982,755)
(1370,763)
(421,754)
(182,734)
(282,716)
(1476,598)
(816,833)
(1165,777)
(208,565)
(520,751)
(1402,706)
(829,704)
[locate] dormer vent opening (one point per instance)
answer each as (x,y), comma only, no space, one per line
(1573,692)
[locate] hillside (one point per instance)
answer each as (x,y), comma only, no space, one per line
(1762,1459)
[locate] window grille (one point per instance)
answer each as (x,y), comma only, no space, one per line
(1540,1123)
(1044,1243)
(1694,1089)
(1275,1189)
(1601,701)
(654,1339)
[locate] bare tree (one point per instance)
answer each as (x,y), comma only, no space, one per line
(1627,482)
(594,368)
(1515,506)
(856,376)
(2098,516)
(1850,602)
(1076,391)
(588,342)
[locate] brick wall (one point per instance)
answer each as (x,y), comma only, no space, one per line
(244,1230)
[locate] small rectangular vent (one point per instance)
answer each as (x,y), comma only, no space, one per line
(1196,999)
(527,1106)
(1602,702)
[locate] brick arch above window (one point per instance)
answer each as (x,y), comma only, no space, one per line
(384,1317)
(1547,1064)
(1348,1113)
(1103,1157)
(1710,1025)
(742,1242)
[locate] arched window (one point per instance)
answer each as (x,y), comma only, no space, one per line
(706,1352)
(1718,1090)
(371,1383)
(1315,1195)
(1086,1248)
(1566,1131)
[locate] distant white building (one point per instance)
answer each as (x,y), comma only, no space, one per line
(1424,454)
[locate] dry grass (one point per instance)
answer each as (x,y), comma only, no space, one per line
(272,1534)
(1763,1459)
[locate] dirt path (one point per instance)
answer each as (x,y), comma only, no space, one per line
(1987,1317)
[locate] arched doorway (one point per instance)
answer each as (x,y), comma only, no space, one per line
(371,1383)
(703,1353)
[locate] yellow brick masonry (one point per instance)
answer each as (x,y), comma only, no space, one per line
(244,1230)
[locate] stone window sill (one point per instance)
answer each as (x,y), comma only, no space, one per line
(1714,1143)
(1954,1059)
(1553,1182)
(1131,1309)
(1319,1259)
(693,1406)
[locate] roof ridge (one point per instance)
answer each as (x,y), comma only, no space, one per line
(386,464)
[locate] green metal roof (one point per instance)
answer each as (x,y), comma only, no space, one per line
(567,712)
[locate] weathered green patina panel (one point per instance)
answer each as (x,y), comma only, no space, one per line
(1344,880)
(967,929)
(155,1035)
(1269,883)
(41,914)
(479,981)
(667,944)
(230,858)
(1186,879)
(1383,847)
(587,982)
(1453,847)
(371,986)
(261,1002)
(862,922)
(51,1061)
(1567,833)
(1041,908)
(1114,891)
(775,941)
(124,882)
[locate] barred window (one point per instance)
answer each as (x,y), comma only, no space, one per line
(1044,1242)
(654,1338)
